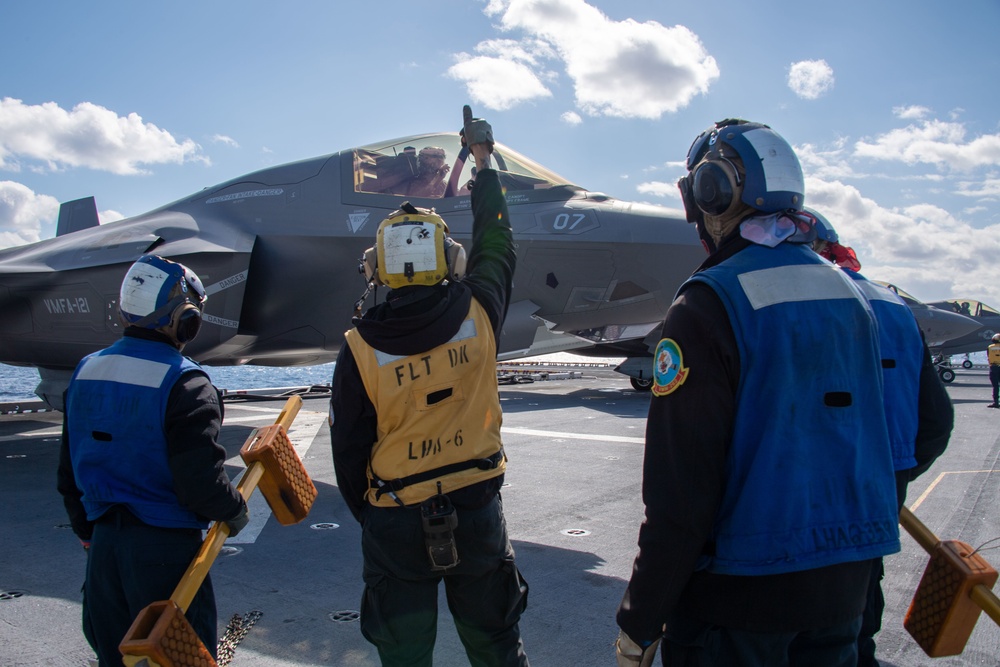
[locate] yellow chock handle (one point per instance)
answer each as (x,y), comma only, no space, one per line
(193,577)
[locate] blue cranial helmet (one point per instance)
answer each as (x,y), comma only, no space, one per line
(824,230)
(739,161)
(164,296)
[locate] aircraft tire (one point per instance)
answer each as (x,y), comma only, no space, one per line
(947,375)
(967,364)
(641,384)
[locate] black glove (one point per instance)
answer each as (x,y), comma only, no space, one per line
(238,522)
(475,130)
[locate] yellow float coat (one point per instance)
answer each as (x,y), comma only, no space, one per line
(993,354)
(435,408)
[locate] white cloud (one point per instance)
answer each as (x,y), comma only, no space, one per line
(619,68)
(809,79)
(659,189)
(912,112)
(829,164)
(933,142)
(989,187)
(918,247)
(86,136)
(571,118)
(22,213)
(110,215)
(223,139)
(497,83)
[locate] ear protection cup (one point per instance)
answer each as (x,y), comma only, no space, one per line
(454,254)
(716,186)
(185,323)
(369,265)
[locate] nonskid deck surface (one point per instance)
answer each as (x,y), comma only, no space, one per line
(573,508)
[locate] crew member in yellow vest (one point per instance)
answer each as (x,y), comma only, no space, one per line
(993,358)
(415,430)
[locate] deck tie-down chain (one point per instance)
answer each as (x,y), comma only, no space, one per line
(235,632)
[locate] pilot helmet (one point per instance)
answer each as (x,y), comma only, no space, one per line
(740,164)
(412,247)
(164,296)
(431,160)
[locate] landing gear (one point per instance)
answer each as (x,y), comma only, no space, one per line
(947,375)
(967,364)
(641,384)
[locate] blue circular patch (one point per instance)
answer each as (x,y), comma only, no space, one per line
(668,367)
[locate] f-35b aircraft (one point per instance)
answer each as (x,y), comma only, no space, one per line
(987,320)
(278,251)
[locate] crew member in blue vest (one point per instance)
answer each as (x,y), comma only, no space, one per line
(767,478)
(141,470)
(918,410)
(415,430)
(993,358)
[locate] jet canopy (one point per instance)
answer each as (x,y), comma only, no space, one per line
(436,166)
(971,308)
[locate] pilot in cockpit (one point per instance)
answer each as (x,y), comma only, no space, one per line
(430,179)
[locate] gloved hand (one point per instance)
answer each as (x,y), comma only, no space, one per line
(239,522)
(475,130)
(631,654)
(85,544)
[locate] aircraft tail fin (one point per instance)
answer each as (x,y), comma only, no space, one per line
(76,215)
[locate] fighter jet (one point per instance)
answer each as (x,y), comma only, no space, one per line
(940,325)
(987,321)
(278,251)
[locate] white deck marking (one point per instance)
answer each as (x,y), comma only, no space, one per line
(573,436)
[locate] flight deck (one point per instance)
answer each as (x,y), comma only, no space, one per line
(573,508)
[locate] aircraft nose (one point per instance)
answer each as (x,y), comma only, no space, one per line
(943,326)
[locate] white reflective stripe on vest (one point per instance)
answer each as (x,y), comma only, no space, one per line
(126,370)
(466,331)
(785,284)
(875,292)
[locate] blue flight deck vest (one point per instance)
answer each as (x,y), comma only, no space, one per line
(902,357)
(809,476)
(115,407)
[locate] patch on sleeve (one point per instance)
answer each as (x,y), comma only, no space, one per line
(668,368)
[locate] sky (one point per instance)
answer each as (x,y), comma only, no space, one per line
(893,107)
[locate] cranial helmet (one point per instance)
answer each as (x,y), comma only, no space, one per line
(827,243)
(996,338)
(412,247)
(824,230)
(739,162)
(163,296)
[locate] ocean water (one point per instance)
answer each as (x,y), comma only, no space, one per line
(18,383)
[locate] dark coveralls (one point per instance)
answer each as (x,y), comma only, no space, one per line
(684,478)
(485,592)
(131,564)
